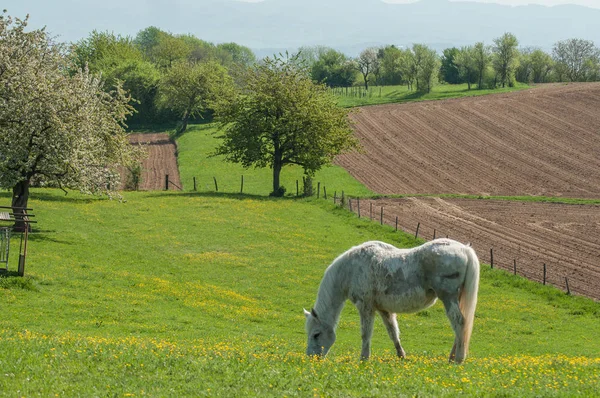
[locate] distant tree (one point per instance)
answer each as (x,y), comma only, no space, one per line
(101,52)
(189,89)
(467,64)
(505,57)
(426,63)
(58,128)
(575,57)
(482,55)
(390,60)
(524,70)
(170,49)
(408,67)
(283,118)
(366,63)
(308,55)
(147,39)
(240,55)
(541,65)
(449,69)
(333,68)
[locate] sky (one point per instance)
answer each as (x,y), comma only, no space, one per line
(587,3)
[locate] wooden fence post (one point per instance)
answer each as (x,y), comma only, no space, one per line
(434,234)
(297,191)
(381,216)
(567,283)
(544,279)
(358,206)
(396,223)
(166,182)
(371,210)
(216,185)
(242,187)
(350,204)
(195,188)
(417,233)
(318,190)
(324,192)
(515,266)
(492,257)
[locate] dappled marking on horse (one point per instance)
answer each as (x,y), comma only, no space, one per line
(378,277)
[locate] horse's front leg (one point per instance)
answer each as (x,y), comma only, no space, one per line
(367,318)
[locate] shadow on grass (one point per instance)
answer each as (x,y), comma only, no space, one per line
(223,195)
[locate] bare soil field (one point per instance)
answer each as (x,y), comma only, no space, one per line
(542,141)
(564,237)
(161,161)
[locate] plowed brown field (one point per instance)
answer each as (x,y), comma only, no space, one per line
(543,141)
(161,161)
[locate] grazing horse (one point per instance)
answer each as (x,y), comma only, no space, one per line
(378,277)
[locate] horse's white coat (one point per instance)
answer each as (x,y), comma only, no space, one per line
(378,277)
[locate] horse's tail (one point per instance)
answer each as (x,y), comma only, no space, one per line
(468,295)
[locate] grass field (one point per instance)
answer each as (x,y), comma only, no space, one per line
(201,294)
(200,141)
(398,94)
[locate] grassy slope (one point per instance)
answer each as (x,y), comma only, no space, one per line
(196,145)
(191,294)
(399,94)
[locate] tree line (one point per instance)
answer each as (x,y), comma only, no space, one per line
(502,63)
(64,109)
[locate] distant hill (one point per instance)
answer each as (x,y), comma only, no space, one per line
(348,25)
(351,25)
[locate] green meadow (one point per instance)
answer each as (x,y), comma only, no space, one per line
(398,94)
(201,294)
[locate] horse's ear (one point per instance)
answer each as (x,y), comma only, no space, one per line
(468,244)
(313,313)
(306,313)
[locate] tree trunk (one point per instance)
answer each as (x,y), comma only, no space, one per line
(277,165)
(184,123)
(19,202)
(366,81)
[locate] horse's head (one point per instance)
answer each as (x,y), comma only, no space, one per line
(320,335)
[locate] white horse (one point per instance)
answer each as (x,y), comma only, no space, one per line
(377,276)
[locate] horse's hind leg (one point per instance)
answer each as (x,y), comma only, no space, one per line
(389,320)
(457,321)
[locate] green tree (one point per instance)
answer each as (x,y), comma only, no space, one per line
(390,60)
(449,69)
(366,63)
(467,64)
(524,70)
(189,89)
(170,49)
(283,118)
(333,69)
(408,67)
(505,57)
(426,64)
(58,128)
(541,66)
(576,57)
(240,55)
(482,55)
